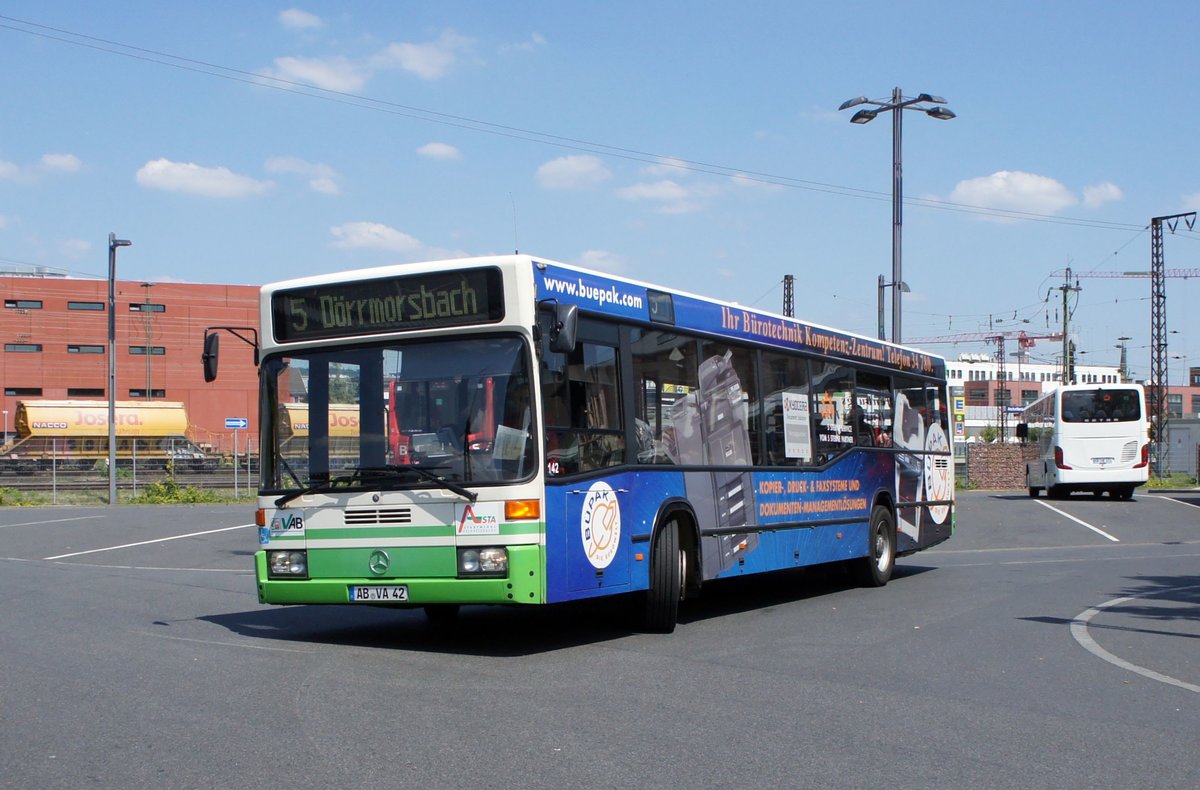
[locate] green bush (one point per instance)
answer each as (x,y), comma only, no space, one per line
(1176,480)
(11,496)
(168,492)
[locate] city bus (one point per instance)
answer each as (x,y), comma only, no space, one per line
(1090,437)
(530,432)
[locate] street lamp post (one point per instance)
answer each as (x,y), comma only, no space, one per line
(1121,341)
(5,441)
(113,244)
(901,287)
(897,103)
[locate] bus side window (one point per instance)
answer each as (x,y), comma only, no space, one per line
(582,405)
(833,385)
(667,419)
(788,420)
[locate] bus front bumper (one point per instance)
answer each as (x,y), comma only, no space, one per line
(522,585)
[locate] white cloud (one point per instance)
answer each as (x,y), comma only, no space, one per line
(602,260)
(755,182)
(3,222)
(335,73)
(666,166)
(373,236)
(1099,194)
(321,178)
(534,41)
(61,163)
(296,19)
(671,196)
(429,61)
(48,163)
(443,151)
(572,172)
(192,179)
(1191,202)
(1014,190)
(377,236)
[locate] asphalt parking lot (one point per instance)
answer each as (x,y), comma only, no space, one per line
(1048,643)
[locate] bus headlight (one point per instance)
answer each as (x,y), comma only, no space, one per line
(287,564)
(486,561)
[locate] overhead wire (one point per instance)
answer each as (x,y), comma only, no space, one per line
(514,132)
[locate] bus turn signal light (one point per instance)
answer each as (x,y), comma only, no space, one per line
(522,509)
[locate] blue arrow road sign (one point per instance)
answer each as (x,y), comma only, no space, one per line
(234,423)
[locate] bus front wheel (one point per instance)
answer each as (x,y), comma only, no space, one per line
(668,571)
(876,568)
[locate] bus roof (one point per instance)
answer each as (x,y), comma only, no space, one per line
(601,293)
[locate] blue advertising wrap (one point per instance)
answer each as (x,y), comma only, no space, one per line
(596,293)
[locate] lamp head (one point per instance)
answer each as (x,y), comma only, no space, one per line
(864,116)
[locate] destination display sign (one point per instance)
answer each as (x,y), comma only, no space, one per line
(389,304)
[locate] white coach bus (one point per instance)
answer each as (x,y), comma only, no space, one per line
(1090,438)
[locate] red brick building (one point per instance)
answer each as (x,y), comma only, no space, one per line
(55,334)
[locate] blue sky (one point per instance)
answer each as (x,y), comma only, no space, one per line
(692,144)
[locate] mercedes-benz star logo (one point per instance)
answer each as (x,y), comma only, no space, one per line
(379,562)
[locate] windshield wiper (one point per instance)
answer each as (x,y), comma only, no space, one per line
(316,488)
(400,469)
(362,474)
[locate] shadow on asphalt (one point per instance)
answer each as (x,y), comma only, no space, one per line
(1147,596)
(510,631)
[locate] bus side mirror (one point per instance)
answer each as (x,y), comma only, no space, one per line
(562,333)
(212,343)
(1022,431)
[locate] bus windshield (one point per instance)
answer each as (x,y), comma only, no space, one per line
(405,415)
(1101,405)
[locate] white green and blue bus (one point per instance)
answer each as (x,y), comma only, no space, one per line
(510,430)
(1089,437)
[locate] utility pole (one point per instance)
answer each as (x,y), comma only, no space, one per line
(1068,374)
(789,295)
(1158,333)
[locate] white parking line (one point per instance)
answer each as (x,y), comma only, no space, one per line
(1176,501)
(1079,630)
(49,521)
(146,542)
(1097,530)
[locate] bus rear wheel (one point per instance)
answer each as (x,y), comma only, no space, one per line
(876,568)
(668,571)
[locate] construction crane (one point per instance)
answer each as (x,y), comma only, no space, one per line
(1024,341)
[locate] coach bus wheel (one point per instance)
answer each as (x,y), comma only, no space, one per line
(875,569)
(660,611)
(1033,491)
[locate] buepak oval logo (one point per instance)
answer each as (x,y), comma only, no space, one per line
(600,524)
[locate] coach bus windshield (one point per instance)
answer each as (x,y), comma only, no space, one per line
(406,415)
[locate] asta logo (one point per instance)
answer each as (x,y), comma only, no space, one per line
(600,524)
(479,519)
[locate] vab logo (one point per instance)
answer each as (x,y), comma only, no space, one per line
(600,524)
(289,522)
